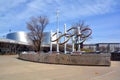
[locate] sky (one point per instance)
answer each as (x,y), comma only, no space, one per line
(103,16)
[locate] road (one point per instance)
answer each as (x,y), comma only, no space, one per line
(12,68)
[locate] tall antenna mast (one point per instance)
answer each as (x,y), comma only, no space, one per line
(57,16)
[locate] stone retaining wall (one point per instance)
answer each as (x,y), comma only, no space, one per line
(74,59)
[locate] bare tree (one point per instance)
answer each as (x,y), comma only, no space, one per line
(37,27)
(85,32)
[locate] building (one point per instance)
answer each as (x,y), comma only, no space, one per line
(19,36)
(15,42)
(8,46)
(104,47)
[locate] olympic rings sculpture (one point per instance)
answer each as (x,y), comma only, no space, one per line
(68,35)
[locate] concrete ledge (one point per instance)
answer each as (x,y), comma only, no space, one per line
(74,59)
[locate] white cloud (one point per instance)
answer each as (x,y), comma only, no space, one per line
(91,8)
(69,9)
(7,5)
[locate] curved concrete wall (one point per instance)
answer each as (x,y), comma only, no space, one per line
(81,59)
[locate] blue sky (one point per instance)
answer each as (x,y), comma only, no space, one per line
(103,16)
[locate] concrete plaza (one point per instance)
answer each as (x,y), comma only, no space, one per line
(12,68)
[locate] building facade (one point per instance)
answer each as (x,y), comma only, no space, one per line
(104,47)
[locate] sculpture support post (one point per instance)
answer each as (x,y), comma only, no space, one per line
(73,44)
(57,16)
(73,50)
(51,41)
(79,39)
(57,41)
(65,39)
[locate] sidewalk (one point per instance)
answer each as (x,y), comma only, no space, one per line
(12,68)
